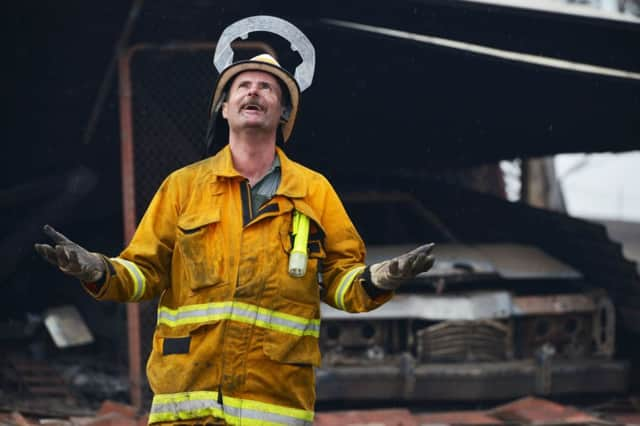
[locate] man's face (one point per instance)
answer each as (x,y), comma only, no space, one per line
(255,101)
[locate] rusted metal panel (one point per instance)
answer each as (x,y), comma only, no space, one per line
(457,418)
(394,417)
(354,342)
(480,381)
(556,304)
(570,336)
(531,410)
(576,325)
(626,418)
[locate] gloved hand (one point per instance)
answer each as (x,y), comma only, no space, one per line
(71,258)
(388,275)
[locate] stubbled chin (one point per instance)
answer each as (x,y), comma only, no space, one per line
(248,122)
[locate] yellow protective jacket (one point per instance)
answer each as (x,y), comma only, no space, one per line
(237,336)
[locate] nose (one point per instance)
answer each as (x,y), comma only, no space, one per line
(253,90)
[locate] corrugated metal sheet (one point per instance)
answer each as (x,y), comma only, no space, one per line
(584,246)
(509,261)
(472,306)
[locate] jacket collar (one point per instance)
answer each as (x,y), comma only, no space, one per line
(221,164)
(292,184)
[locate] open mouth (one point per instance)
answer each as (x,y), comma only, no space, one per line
(252,107)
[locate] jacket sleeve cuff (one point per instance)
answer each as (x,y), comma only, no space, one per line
(96,288)
(372,291)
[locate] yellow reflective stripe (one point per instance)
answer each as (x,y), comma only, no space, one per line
(236,411)
(344,285)
(139,281)
(293,318)
(241,312)
(247,404)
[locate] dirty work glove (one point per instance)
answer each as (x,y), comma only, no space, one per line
(389,274)
(71,258)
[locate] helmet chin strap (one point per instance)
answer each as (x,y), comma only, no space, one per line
(216,108)
(279,137)
(209,136)
(211,127)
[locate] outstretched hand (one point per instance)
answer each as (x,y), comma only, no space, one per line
(71,258)
(390,274)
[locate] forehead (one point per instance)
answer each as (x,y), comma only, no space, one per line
(255,76)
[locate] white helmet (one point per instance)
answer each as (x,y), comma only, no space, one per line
(292,86)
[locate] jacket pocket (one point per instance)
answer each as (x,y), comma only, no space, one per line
(193,346)
(292,335)
(199,243)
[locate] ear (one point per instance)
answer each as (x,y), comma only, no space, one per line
(284,116)
(224,110)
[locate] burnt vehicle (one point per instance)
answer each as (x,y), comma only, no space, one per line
(491,341)
(498,316)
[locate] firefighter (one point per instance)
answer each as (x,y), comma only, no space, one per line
(236,340)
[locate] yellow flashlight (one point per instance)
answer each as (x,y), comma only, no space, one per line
(298,256)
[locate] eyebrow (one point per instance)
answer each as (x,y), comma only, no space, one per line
(262,82)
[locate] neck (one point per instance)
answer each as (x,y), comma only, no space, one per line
(252,154)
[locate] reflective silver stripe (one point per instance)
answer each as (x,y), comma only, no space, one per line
(309,328)
(246,415)
(187,405)
(241,312)
(139,281)
(236,411)
(344,285)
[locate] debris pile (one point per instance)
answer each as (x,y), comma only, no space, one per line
(110,414)
(524,411)
(50,365)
